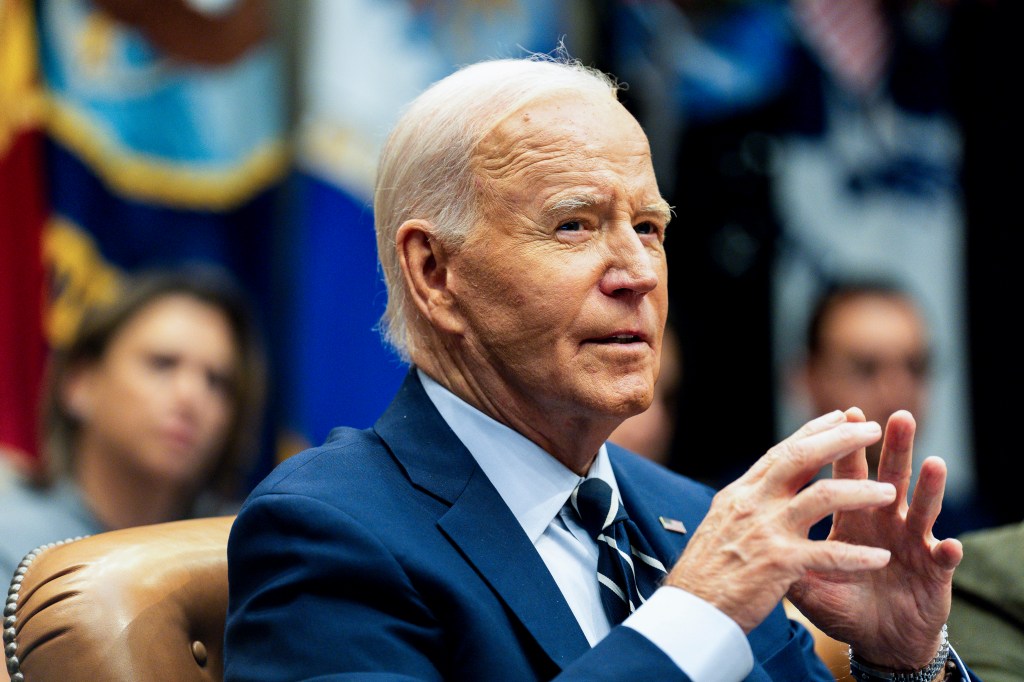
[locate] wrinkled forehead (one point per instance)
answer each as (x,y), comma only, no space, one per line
(563,119)
(565,133)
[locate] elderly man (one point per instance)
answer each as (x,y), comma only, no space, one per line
(476,531)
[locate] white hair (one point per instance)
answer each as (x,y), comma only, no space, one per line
(425,168)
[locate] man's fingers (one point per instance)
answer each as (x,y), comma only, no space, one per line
(927,501)
(799,460)
(896,462)
(822,423)
(948,553)
(826,556)
(819,424)
(831,495)
(855,464)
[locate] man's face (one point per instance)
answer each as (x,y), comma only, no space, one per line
(874,354)
(562,282)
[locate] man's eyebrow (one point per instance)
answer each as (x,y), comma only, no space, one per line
(576,202)
(661,208)
(570,204)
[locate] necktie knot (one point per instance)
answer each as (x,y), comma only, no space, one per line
(597,506)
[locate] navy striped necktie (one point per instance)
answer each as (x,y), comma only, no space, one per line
(627,570)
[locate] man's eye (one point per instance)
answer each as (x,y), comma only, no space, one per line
(570,226)
(646,228)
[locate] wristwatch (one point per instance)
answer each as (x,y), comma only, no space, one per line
(865,673)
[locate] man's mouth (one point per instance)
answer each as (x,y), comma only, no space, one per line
(618,338)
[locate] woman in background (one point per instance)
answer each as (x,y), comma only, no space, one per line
(149,414)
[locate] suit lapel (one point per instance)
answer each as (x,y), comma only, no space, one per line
(645,503)
(482,526)
(479,522)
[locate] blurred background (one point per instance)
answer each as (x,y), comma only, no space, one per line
(801,142)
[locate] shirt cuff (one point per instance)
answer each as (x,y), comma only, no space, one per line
(701,640)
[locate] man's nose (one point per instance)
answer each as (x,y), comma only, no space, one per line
(632,265)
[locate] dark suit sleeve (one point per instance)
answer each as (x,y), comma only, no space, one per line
(624,654)
(313,595)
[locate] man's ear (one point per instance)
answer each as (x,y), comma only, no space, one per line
(425,266)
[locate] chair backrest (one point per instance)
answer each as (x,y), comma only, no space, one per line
(144,603)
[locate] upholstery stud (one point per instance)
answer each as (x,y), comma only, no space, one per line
(199,653)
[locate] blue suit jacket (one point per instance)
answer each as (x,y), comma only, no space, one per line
(386,554)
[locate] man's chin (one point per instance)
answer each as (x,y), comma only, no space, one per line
(628,404)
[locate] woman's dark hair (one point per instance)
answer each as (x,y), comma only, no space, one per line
(99,327)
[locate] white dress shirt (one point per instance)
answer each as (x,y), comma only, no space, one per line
(705,643)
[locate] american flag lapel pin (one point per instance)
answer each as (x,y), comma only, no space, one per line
(673,525)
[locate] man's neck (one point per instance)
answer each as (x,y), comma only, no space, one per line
(572,440)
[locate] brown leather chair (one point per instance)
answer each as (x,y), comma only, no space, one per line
(144,603)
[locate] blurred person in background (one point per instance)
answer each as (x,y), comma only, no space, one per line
(869,344)
(149,414)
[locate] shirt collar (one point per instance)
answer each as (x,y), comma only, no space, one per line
(533,484)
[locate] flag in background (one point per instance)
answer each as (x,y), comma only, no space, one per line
(159,151)
(364,60)
(165,144)
(22,214)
